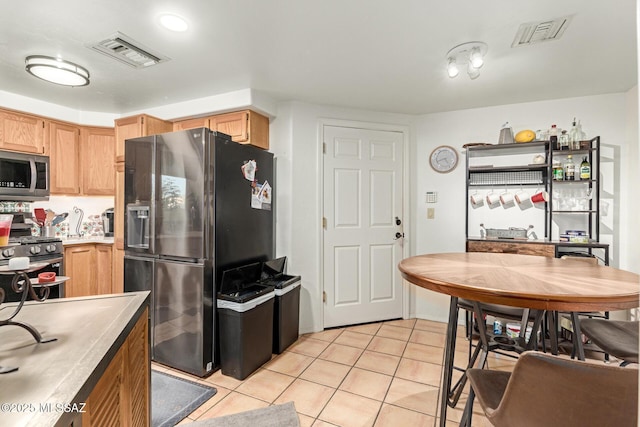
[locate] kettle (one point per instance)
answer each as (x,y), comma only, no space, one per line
(107,222)
(506,134)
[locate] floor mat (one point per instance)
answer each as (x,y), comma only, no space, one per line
(173,398)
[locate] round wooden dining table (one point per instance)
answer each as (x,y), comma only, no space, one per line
(526,281)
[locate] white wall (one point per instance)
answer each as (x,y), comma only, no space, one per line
(294,138)
(629,224)
(612,116)
(54,111)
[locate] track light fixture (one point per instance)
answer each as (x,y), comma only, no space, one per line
(470,54)
(452,68)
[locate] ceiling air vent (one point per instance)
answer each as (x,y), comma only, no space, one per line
(128,51)
(541,31)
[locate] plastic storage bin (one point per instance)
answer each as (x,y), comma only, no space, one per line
(286,309)
(245,319)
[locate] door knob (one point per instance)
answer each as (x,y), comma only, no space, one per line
(399,235)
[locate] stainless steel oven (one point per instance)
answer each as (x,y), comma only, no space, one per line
(48,251)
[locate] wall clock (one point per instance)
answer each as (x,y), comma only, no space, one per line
(443,159)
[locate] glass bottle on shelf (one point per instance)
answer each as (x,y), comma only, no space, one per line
(581,135)
(574,136)
(558,171)
(569,169)
(585,169)
(563,141)
(553,136)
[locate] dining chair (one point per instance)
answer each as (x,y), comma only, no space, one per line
(507,347)
(546,390)
(576,317)
(618,338)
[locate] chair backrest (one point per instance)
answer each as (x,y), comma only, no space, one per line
(546,390)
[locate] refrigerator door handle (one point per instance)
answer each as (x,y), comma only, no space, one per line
(152,201)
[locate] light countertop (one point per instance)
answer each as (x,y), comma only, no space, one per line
(87,240)
(88,330)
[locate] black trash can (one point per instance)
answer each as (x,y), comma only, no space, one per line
(245,319)
(286,308)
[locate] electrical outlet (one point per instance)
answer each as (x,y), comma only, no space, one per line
(431,213)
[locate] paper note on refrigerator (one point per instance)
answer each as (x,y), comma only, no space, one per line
(249,170)
(261,196)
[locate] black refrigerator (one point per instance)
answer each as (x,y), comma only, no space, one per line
(196,204)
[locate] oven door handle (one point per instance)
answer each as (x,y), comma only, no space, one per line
(34,175)
(50,261)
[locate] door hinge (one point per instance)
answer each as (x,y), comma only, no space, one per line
(324,223)
(324,296)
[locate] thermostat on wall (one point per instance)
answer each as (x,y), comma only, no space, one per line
(432,196)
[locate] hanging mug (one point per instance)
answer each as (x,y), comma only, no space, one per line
(506,198)
(521,197)
(476,200)
(540,197)
(493,198)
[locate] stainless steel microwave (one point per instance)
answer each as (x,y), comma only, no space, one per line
(23,177)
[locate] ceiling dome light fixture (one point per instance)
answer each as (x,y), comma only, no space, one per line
(56,70)
(470,54)
(174,23)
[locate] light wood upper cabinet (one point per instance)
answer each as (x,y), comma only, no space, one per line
(245,127)
(236,125)
(81,159)
(200,122)
(21,132)
(64,152)
(136,126)
(97,157)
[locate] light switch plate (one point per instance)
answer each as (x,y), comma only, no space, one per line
(431,213)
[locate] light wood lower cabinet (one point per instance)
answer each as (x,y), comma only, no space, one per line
(118,269)
(121,395)
(104,273)
(89,269)
(79,266)
(118,246)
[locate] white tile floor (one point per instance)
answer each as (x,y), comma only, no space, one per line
(379,374)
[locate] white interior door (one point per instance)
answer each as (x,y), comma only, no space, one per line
(363,172)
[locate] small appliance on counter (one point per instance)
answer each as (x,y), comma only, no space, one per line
(107,222)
